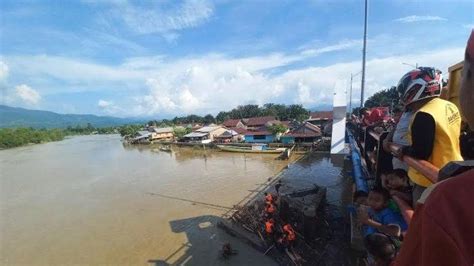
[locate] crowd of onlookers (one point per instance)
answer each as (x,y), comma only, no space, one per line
(424,127)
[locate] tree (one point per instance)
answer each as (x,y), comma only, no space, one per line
(277,128)
(388,97)
(179,132)
(209,119)
(297,112)
(222,116)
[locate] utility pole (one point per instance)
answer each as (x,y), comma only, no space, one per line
(363,58)
(350,97)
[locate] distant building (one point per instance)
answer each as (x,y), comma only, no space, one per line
(229,136)
(204,134)
(323,119)
(162,134)
(306,132)
(254,123)
(233,123)
(142,136)
(259,136)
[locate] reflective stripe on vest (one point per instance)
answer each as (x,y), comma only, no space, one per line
(446,142)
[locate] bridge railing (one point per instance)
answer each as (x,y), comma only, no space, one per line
(377,160)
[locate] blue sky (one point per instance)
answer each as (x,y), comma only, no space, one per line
(166,58)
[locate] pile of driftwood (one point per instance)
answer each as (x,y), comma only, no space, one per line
(251,218)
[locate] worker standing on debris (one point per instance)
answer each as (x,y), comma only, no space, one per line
(269,209)
(289,234)
(268,197)
(270,227)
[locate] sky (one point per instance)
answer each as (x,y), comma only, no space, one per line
(166,58)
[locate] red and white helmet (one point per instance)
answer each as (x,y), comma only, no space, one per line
(419,84)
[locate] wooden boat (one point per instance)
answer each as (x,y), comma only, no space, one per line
(252,149)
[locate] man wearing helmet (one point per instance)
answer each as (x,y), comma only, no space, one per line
(441,229)
(435,127)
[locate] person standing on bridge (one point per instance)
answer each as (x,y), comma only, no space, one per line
(435,127)
(441,231)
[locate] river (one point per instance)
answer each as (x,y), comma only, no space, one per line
(90,200)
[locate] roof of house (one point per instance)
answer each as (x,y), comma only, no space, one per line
(258,121)
(321,115)
(196,134)
(163,130)
(239,130)
(257,133)
(304,130)
(208,129)
(231,122)
(228,134)
(143,132)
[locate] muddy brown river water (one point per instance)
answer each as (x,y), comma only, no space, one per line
(90,200)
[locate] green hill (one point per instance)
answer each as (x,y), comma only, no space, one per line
(20,117)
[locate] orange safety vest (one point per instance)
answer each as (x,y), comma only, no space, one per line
(269,227)
(269,197)
(291,235)
(270,208)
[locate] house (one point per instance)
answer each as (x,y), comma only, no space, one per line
(142,136)
(320,118)
(162,134)
(204,134)
(261,135)
(306,132)
(229,136)
(232,123)
(254,123)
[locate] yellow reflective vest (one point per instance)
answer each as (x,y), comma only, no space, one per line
(446,141)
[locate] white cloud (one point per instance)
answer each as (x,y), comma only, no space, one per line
(210,86)
(215,82)
(157,18)
(4,70)
(27,94)
(415,18)
(342,45)
(104,104)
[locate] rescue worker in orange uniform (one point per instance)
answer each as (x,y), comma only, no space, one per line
(268,197)
(270,227)
(269,209)
(289,233)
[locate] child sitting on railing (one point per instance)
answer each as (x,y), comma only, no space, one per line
(396,182)
(378,217)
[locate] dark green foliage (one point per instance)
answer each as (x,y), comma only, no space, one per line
(281,111)
(388,97)
(277,128)
(179,132)
(10,137)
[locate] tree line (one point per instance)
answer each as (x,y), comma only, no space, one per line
(15,137)
(281,111)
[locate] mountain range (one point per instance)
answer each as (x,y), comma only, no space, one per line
(20,117)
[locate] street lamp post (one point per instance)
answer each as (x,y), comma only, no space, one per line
(363,58)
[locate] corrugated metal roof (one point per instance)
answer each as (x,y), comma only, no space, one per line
(163,130)
(207,129)
(196,134)
(258,121)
